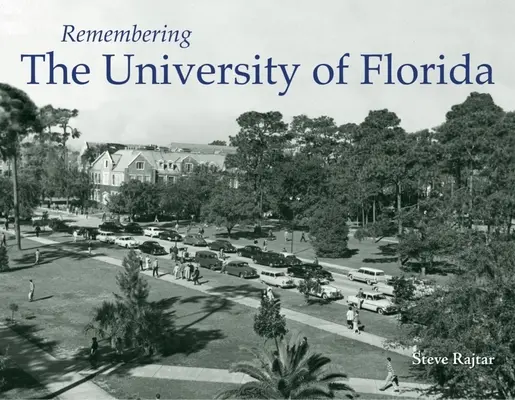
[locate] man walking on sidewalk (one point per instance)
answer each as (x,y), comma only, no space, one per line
(391,377)
(196,276)
(4,240)
(31,290)
(36,262)
(350,318)
(155,269)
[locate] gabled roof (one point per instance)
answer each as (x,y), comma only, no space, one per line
(101,156)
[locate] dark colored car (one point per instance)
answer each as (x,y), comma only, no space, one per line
(194,239)
(171,236)
(208,259)
(110,227)
(88,233)
(249,251)
(133,227)
(269,258)
(222,244)
(303,270)
(241,269)
(152,247)
(292,260)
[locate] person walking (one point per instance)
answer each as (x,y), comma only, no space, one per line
(155,268)
(75,234)
(38,230)
(222,255)
(196,276)
(89,247)
(360,297)
(93,353)
(391,377)
(37,256)
(187,272)
(315,261)
(140,262)
(269,294)
(4,240)
(147,262)
(176,271)
(350,317)
(355,323)
(303,237)
(177,227)
(285,236)
(191,269)
(31,290)
(264,244)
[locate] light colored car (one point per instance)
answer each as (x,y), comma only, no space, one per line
(106,237)
(276,278)
(369,275)
(376,302)
(152,231)
(421,288)
(326,292)
(126,241)
(385,288)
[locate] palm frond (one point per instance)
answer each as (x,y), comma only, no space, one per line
(312,390)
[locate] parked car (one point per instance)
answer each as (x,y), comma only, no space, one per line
(152,231)
(222,244)
(133,227)
(171,236)
(208,259)
(302,271)
(126,241)
(290,259)
(326,292)
(276,278)
(185,255)
(88,233)
(269,258)
(373,302)
(152,247)
(240,268)
(110,227)
(385,288)
(369,275)
(249,251)
(194,239)
(106,237)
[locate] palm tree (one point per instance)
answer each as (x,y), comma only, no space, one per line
(292,372)
(18,118)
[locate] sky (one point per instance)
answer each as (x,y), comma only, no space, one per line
(301,32)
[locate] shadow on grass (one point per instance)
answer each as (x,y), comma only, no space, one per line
(29,333)
(442,268)
(14,378)
(384,260)
(388,249)
(244,290)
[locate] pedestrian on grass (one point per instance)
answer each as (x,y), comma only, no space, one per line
(38,230)
(75,234)
(264,243)
(4,240)
(315,261)
(391,377)
(350,317)
(303,237)
(155,269)
(147,262)
(93,353)
(37,256)
(196,276)
(140,262)
(355,323)
(31,290)
(89,247)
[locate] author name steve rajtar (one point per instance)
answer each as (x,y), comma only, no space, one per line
(471,360)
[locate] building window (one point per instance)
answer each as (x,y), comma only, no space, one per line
(114,180)
(161,179)
(132,177)
(172,179)
(140,165)
(106,178)
(188,167)
(146,178)
(106,163)
(140,178)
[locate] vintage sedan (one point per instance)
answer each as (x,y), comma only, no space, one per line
(152,231)
(290,259)
(126,241)
(249,251)
(106,237)
(305,270)
(152,247)
(376,302)
(133,227)
(171,236)
(110,226)
(276,278)
(269,258)
(194,239)
(222,244)
(326,292)
(239,268)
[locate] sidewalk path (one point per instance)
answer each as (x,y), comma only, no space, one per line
(60,377)
(340,330)
(156,371)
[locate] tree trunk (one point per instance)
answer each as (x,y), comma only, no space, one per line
(16,201)
(229,232)
(471,193)
(362,215)
(399,209)
(374,211)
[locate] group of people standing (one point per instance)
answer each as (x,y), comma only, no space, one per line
(154,264)
(187,271)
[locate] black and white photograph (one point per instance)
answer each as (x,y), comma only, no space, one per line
(289,199)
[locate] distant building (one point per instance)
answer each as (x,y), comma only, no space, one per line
(109,171)
(201,148)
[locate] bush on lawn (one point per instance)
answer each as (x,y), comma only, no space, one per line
(139,324)
(328,230)
(268,322)
(4,259)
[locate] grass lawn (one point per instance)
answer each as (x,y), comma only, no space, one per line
(210,330)
(230,286)
(20,385)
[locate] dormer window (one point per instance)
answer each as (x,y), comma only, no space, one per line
(106,163)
